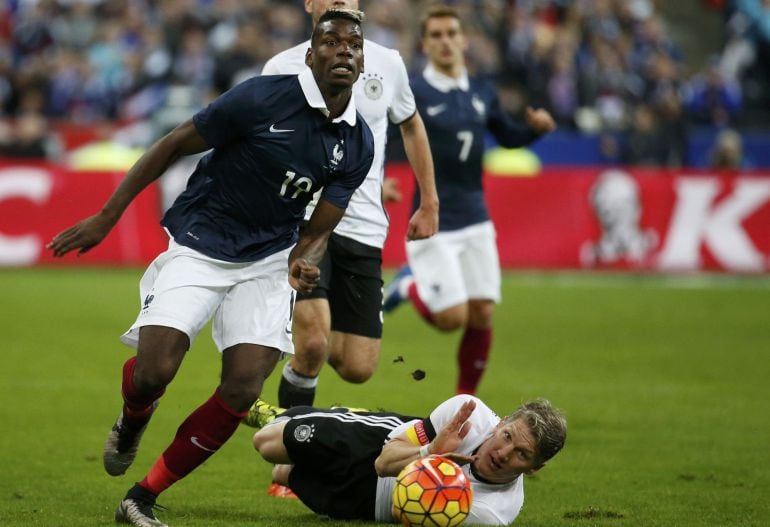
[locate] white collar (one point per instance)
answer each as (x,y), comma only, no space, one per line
(315,99)
(445,83)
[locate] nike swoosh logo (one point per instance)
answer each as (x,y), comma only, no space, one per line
(278,130)
(435,110)
(194,441)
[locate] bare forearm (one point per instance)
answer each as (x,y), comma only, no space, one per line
(310,247)
(395,456)
(183,140)
(417,151)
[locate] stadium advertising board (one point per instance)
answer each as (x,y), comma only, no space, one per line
(620,218)
(565,218)
(37,201)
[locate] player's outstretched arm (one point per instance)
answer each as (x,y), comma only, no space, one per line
(400,451)
(183,140)
(424,221)
(303,259)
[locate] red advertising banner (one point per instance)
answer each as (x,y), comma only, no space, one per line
(37,201)
(595,218)
(618,218)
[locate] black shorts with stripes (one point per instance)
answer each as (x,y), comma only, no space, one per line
(333,453)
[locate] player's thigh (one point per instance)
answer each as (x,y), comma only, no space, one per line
(181,289)
(481,263)
(269,442)
(258,308)
(311,321)
(435,264)
(311,318)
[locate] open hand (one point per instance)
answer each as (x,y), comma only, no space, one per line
(83,235)
(452,434)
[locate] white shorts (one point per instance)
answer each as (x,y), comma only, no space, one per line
(453,267)
(251,302)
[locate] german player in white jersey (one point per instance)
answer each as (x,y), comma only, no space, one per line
(341,321)
(460,111)
(343,464)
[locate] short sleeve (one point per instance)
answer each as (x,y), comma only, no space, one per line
(403,105)
(230,116)
(339,191)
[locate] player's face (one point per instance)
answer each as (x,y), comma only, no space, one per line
(508,453)
(337,55)
(316,8)
(444,42)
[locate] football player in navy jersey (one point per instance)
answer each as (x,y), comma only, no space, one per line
(340,322)
(234,238)
(459,110)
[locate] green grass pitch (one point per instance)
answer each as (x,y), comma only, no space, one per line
(665,383)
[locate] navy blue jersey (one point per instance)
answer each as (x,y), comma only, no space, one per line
(457,122)
(272,151)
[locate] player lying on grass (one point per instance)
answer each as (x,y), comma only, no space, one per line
(335,461)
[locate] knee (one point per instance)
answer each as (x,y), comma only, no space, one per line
(312,344)
(355,373)
(355,358)
(480,314)
(240,394)
(450,320)
(151,378)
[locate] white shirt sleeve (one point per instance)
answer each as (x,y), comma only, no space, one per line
(403,106)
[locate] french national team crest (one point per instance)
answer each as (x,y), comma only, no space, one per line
(478,105)
(337,153)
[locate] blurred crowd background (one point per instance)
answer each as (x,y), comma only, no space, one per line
(639,75)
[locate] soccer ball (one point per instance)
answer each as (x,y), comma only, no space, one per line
(432,491)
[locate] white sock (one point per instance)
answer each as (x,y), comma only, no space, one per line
(300,381)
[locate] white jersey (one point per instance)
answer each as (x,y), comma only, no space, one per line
(493,504)
(382,93)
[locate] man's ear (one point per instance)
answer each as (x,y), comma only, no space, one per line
(309,58)
(534,469)
(466,43)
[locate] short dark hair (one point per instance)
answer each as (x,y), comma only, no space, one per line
(352,15)
(438,11)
